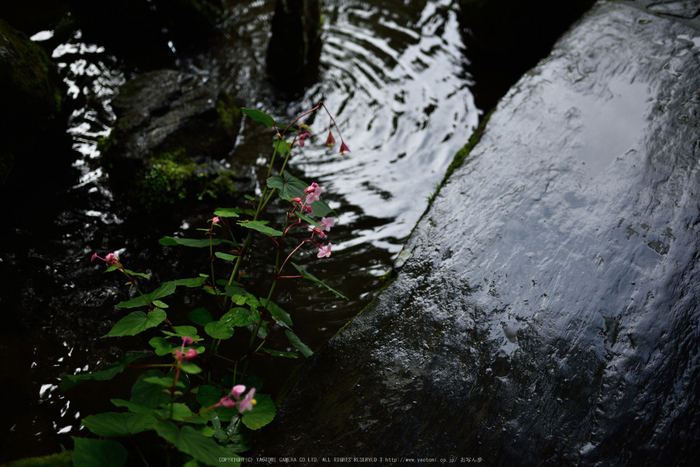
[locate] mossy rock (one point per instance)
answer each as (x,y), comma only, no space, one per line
(31,93)
(62,459)
(171,131)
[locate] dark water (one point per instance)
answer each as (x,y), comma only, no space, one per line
(392,74)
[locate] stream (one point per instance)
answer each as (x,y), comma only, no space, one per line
(393,73)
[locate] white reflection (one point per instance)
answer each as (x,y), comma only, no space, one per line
(42,36)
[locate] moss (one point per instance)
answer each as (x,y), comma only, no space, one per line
(172,177)
(54,460)
(223,184)
(28,79)
(163,181)
(229,113)
(463,153)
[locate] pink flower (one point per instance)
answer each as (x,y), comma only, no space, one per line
(215,220)
(318,231)
(313,193)
(330,141)
(326,223)
(226,402)
(244,405)
(308,210)
(301,138)
(110,259)
(311,188)
(248,402)
(324,251)
(237,391)
(189,355)
(344,148)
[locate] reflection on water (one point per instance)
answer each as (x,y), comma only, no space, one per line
(392,73)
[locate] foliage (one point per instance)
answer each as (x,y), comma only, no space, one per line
(201,402)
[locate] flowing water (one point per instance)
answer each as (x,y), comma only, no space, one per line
(392,73)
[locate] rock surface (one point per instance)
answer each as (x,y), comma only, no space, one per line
(31,94)
(546,308)
(172,129)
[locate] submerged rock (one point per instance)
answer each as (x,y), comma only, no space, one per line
(546,311)
(171,131)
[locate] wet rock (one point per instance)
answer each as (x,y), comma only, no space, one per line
(295,45)
(31,94)
(172,130)
(546,311)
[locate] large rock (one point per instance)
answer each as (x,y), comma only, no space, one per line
(172,130)
(546,310)
(31,95)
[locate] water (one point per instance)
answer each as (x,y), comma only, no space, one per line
(393,75)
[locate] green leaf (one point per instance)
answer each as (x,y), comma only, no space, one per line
(105,373)
(191,242)
(161,345)
(312,278)
(147,394)
(182,412)
(225,256)
(291,187)
(259,116)
(263,413)
(209,395)
(138,408)
(102,452)
(261,227)
(278,353)
(200,316)
(184,331)
(164,381)
(113,424)
(298,344)
(232,290)
(309,220)
(228,212)
(137,322)
(241,443)
(191,368)
(160,304)
(140,274)
(240,317)
(283,146)
(191,282)
(192,442)
(278,314)
(288,185)
(321,208)
(165,289)
(219,330)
